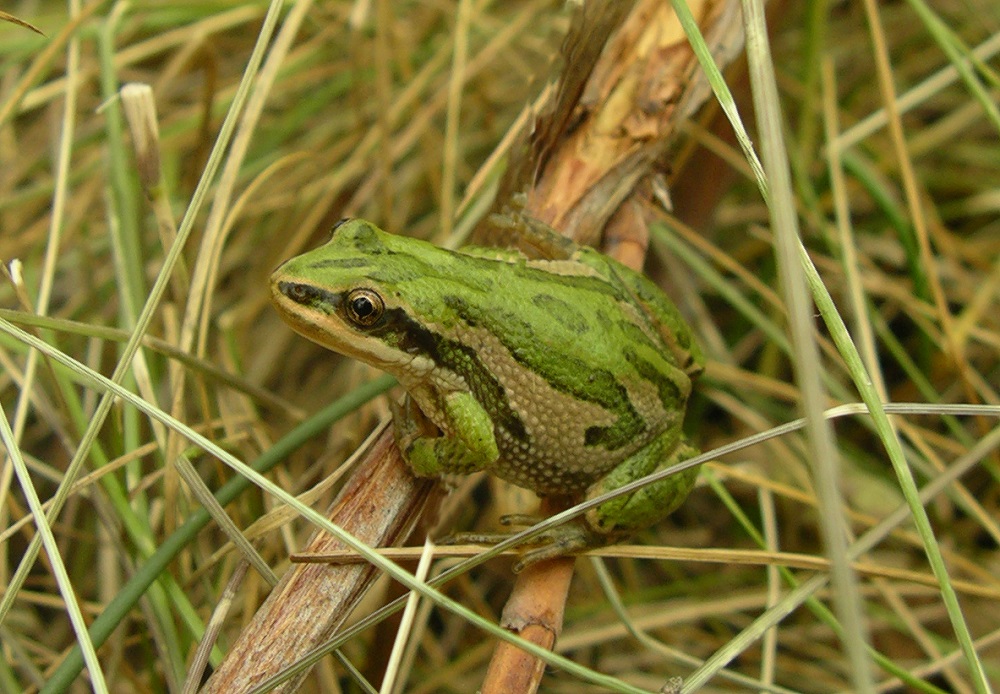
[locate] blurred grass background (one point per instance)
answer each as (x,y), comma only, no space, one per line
(353,122)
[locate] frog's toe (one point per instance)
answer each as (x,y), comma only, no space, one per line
(471,538)
(520,519)
(559,542)
(563,540)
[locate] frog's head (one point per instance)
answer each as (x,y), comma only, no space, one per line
(354,295)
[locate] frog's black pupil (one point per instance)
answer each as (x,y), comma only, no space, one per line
(362,306)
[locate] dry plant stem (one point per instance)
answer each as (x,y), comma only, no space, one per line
(616,108)
(534,611)
(380,505)
(612,120)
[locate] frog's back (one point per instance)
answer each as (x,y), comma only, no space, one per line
(572,371)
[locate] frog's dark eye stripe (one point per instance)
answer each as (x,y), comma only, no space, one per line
(308,295)
(364,307)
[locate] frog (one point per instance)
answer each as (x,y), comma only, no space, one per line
(547,364)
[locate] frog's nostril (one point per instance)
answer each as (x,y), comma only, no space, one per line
(299,293)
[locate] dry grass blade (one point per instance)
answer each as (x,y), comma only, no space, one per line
(7,17)
(413,115)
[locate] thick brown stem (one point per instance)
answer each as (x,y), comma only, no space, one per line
(380,506)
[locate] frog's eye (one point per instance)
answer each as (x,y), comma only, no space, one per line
(364,307)
(342,222)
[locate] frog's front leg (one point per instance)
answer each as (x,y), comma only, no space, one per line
(465,444)
(622,517)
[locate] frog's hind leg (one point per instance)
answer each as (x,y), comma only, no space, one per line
(618,519)
(630,513)
(674,330)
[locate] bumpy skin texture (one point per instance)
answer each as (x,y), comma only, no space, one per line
(566,376)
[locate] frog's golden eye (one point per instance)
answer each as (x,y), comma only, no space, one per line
(364,307)
(342,222)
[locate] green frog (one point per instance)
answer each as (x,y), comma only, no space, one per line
(549,365)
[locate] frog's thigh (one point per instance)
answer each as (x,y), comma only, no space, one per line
(641,509)
(470,446)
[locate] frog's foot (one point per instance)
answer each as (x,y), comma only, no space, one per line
(410,424)
(564,540)
(569,538)
(431,453)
